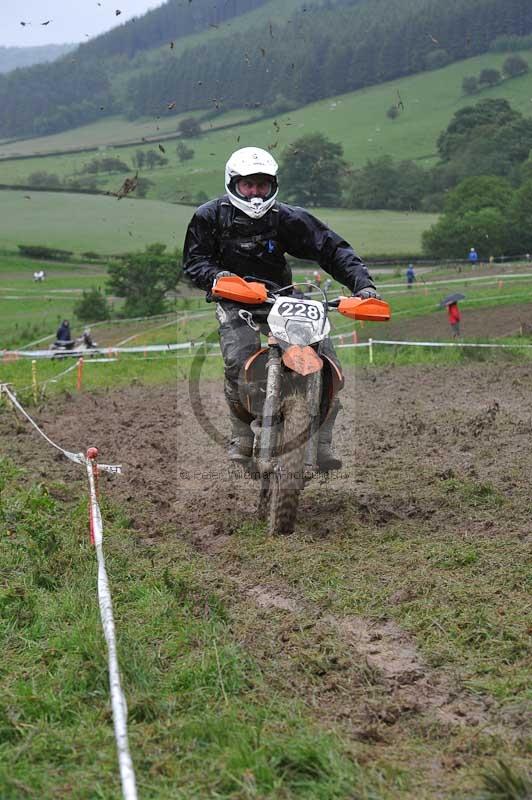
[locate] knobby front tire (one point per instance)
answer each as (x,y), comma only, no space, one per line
(287,480)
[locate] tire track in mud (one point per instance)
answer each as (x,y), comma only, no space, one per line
(176,482)
(391,656)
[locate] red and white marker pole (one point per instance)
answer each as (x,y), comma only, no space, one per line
(92,455)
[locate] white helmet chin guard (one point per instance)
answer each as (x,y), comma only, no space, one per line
(251,161)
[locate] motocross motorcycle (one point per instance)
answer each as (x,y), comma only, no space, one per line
(73,347)
(289,385)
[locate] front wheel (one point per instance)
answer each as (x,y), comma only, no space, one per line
(287,479)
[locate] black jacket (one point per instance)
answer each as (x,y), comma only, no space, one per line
(63,333)
(220,237)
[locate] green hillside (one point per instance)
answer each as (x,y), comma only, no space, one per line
(105,225)
(250,53)
(358,120)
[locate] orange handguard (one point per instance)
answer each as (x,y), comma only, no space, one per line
(233,287)
(369,309)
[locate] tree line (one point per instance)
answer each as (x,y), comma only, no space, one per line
(359,44)
(321,51)
(488,138)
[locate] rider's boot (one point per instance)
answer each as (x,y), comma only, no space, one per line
(240,447)
(327,460)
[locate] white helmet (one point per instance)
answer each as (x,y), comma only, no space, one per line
(251,161)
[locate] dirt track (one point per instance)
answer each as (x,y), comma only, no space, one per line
(402,432)
(397,425)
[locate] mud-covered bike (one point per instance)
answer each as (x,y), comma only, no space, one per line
(289,385)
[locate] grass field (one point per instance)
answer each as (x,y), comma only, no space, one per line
(106,225)
(357,120)
(56,675)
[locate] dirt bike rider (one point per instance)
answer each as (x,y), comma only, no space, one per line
(87,338)
(246,232)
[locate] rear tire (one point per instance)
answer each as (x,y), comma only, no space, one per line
(287,480)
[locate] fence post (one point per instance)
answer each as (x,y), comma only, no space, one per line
(80,373)
(370,349)
(34,381)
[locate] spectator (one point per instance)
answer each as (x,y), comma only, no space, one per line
(63,332)
(410,276)
(473,257)
(454,319)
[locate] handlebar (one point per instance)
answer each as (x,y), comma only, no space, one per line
(254,292)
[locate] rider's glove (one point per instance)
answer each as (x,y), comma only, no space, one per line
(366,293)
(223,274)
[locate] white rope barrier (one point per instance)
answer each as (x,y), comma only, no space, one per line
(118,701)
(441,344)
(109,351)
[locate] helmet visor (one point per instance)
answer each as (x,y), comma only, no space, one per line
(249,187)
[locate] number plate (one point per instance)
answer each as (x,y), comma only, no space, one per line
(302,309)
(289,318)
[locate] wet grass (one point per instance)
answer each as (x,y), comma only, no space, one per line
(203,719)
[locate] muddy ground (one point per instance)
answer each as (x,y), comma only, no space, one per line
(401,432)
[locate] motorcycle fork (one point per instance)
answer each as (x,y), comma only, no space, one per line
(313,396)
(271,409)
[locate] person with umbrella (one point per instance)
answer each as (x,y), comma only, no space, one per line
(453,312)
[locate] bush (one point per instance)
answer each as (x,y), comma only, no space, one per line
(46,253)
(189,127)
(107,164)
(514,66)
(144,279)
(143,186)
(45,179)
(470,85)
(184,153)
(280,105)
(87,184)
(155,159)
(312,169)
(384,183)
(92,306)
(475,211)
(489,77)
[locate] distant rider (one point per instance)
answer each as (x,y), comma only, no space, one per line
(247,233)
